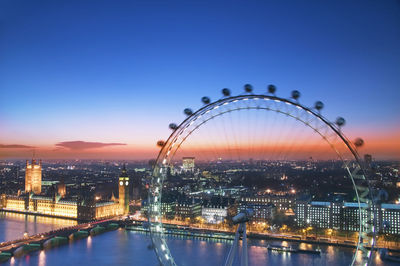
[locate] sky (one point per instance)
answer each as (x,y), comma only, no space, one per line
(103,79)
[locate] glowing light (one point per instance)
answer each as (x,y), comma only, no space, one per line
(42,258)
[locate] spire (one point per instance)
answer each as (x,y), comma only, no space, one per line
(124,172)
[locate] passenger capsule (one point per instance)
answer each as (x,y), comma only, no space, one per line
(359,142)
(205,100)
(340,121)
(160,143)
(319,105)
(173,126)
(188,111)
(271,89)
(226,92)
(248,88)
(295,95)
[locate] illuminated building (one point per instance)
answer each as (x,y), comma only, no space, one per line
(345,216)
(83,208)
(214,214)
(319,214)
(61,188)
(337,206)
(72,209)
(282,201)
(390,219)
(2,200)
(262,212)
(351,216)
(106,209)
(188,164)
(188,209)
(301,213)
(168,209)
(123,185)
(33,177)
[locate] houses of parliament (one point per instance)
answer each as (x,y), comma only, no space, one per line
(83,207)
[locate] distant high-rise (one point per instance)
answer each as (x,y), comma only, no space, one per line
(33,177)
(368,160)
(123,186)
(188,163)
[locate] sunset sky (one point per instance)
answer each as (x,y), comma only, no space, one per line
(103,79)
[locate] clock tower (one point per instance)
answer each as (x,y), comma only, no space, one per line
(33,177)
(123,185)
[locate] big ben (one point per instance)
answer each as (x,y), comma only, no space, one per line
(123,185)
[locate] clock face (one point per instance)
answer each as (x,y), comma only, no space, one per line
(126,183)
(121,183)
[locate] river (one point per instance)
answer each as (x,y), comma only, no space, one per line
(122,247)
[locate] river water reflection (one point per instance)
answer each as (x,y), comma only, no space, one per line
(14,225)
(123,247)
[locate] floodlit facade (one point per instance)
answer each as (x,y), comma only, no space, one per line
(351,216)
(262,212)
(319,214)
(214,214)
(107,209)
(62,189)
(60,208)
(33,177)
(346,215)
(187,209)
(390,219)
(283,202)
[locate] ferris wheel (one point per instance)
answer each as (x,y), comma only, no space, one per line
(267,139)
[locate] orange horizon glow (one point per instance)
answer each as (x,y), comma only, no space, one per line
(387,147)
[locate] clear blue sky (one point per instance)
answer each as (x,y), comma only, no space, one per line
(120,71)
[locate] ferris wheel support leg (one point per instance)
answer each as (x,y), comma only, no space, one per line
(232,251)
(244,261)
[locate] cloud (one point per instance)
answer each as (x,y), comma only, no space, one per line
(15,146)
(84,145)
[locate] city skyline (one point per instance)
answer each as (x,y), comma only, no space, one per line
(102,81)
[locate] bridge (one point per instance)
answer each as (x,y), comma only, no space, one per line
(28,244)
